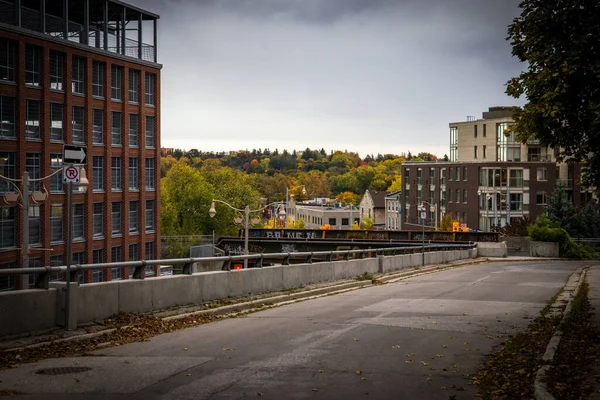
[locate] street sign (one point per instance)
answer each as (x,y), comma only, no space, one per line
(423,214)
(74,154)
(71,174)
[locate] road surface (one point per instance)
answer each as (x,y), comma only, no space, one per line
(414,339)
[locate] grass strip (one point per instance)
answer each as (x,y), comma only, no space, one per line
(510,371)
(577,353)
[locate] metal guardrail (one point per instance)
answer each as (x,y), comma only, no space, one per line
(42,274)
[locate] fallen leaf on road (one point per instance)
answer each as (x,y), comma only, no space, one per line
(396,346)
(424,363)
(358,372)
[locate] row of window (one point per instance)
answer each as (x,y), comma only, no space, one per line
(33,65)
(57,116)
(57,234)
(33,167)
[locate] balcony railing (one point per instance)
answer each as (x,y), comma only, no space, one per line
(32,19)
(538,158)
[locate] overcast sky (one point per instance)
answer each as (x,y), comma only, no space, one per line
(370,76)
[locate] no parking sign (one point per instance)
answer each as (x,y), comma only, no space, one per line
(71,174)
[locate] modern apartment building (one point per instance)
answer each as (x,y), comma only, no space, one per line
(490,178)
(79,72)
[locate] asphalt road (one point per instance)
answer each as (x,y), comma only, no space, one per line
(414,339)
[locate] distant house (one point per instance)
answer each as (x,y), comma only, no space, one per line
(392,210)
(372,206)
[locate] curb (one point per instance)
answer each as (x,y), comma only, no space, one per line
(541,391)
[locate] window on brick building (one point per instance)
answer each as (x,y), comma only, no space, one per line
(78,72)
(98,78)
(116,129)
(56,223)
(134,86)
(150,88)
(32,65)
(134,132)
(32,119)
(149,132)
(133,173)
(97,126)
(7,60)
(116,218)
(133,216)
(98,220)
(56,122)
(116,86)
(57,70)
(78,121)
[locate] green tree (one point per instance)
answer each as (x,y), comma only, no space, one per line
(559,40)
(559,208)
(185,200)
(366,223)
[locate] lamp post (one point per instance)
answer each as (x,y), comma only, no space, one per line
(423,216)
(287,202)
(37,197)
(432,209)
(82,186)
(247,211)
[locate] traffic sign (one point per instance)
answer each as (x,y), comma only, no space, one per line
(71,174)
(74,154)
(423,214)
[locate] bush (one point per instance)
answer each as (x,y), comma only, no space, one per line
(545,230)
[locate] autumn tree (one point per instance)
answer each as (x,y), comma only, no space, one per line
(560,41)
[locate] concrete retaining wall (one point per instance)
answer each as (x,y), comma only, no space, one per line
(544,249)
(30,310)
(490,249)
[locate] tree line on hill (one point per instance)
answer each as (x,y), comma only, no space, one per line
(190,180)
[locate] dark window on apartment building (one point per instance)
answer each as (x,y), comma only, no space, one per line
(32,119)
(57,70)
(98,220)
(149,132)
(134,132)
(7,226)
(116,218)
(98,78)
(464,173)
(541,198)
(484,130)
(78,121)
(97,126)
(150,88)
(7,60)
(116,173)
(133,173)
(56,122)
(56,223)
(133,216)
(475,130)
(484,151)
(7,117)
(474,151)
(134,86)
(32,65)
(56,181)
(78,221)
(34,225)
(78,75)
(116,85)
(150,216)
(116,128)
(150,175)
(98,173)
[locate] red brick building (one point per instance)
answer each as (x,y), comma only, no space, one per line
(90,82)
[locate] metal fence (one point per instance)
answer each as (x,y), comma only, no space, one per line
(186,265)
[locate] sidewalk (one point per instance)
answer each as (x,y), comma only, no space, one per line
(593,279)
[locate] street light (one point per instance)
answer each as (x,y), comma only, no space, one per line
(25,195)
(287,202)
(212,212)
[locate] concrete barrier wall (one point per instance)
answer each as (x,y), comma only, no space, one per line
(31,310)
(544,249)
(489,249)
